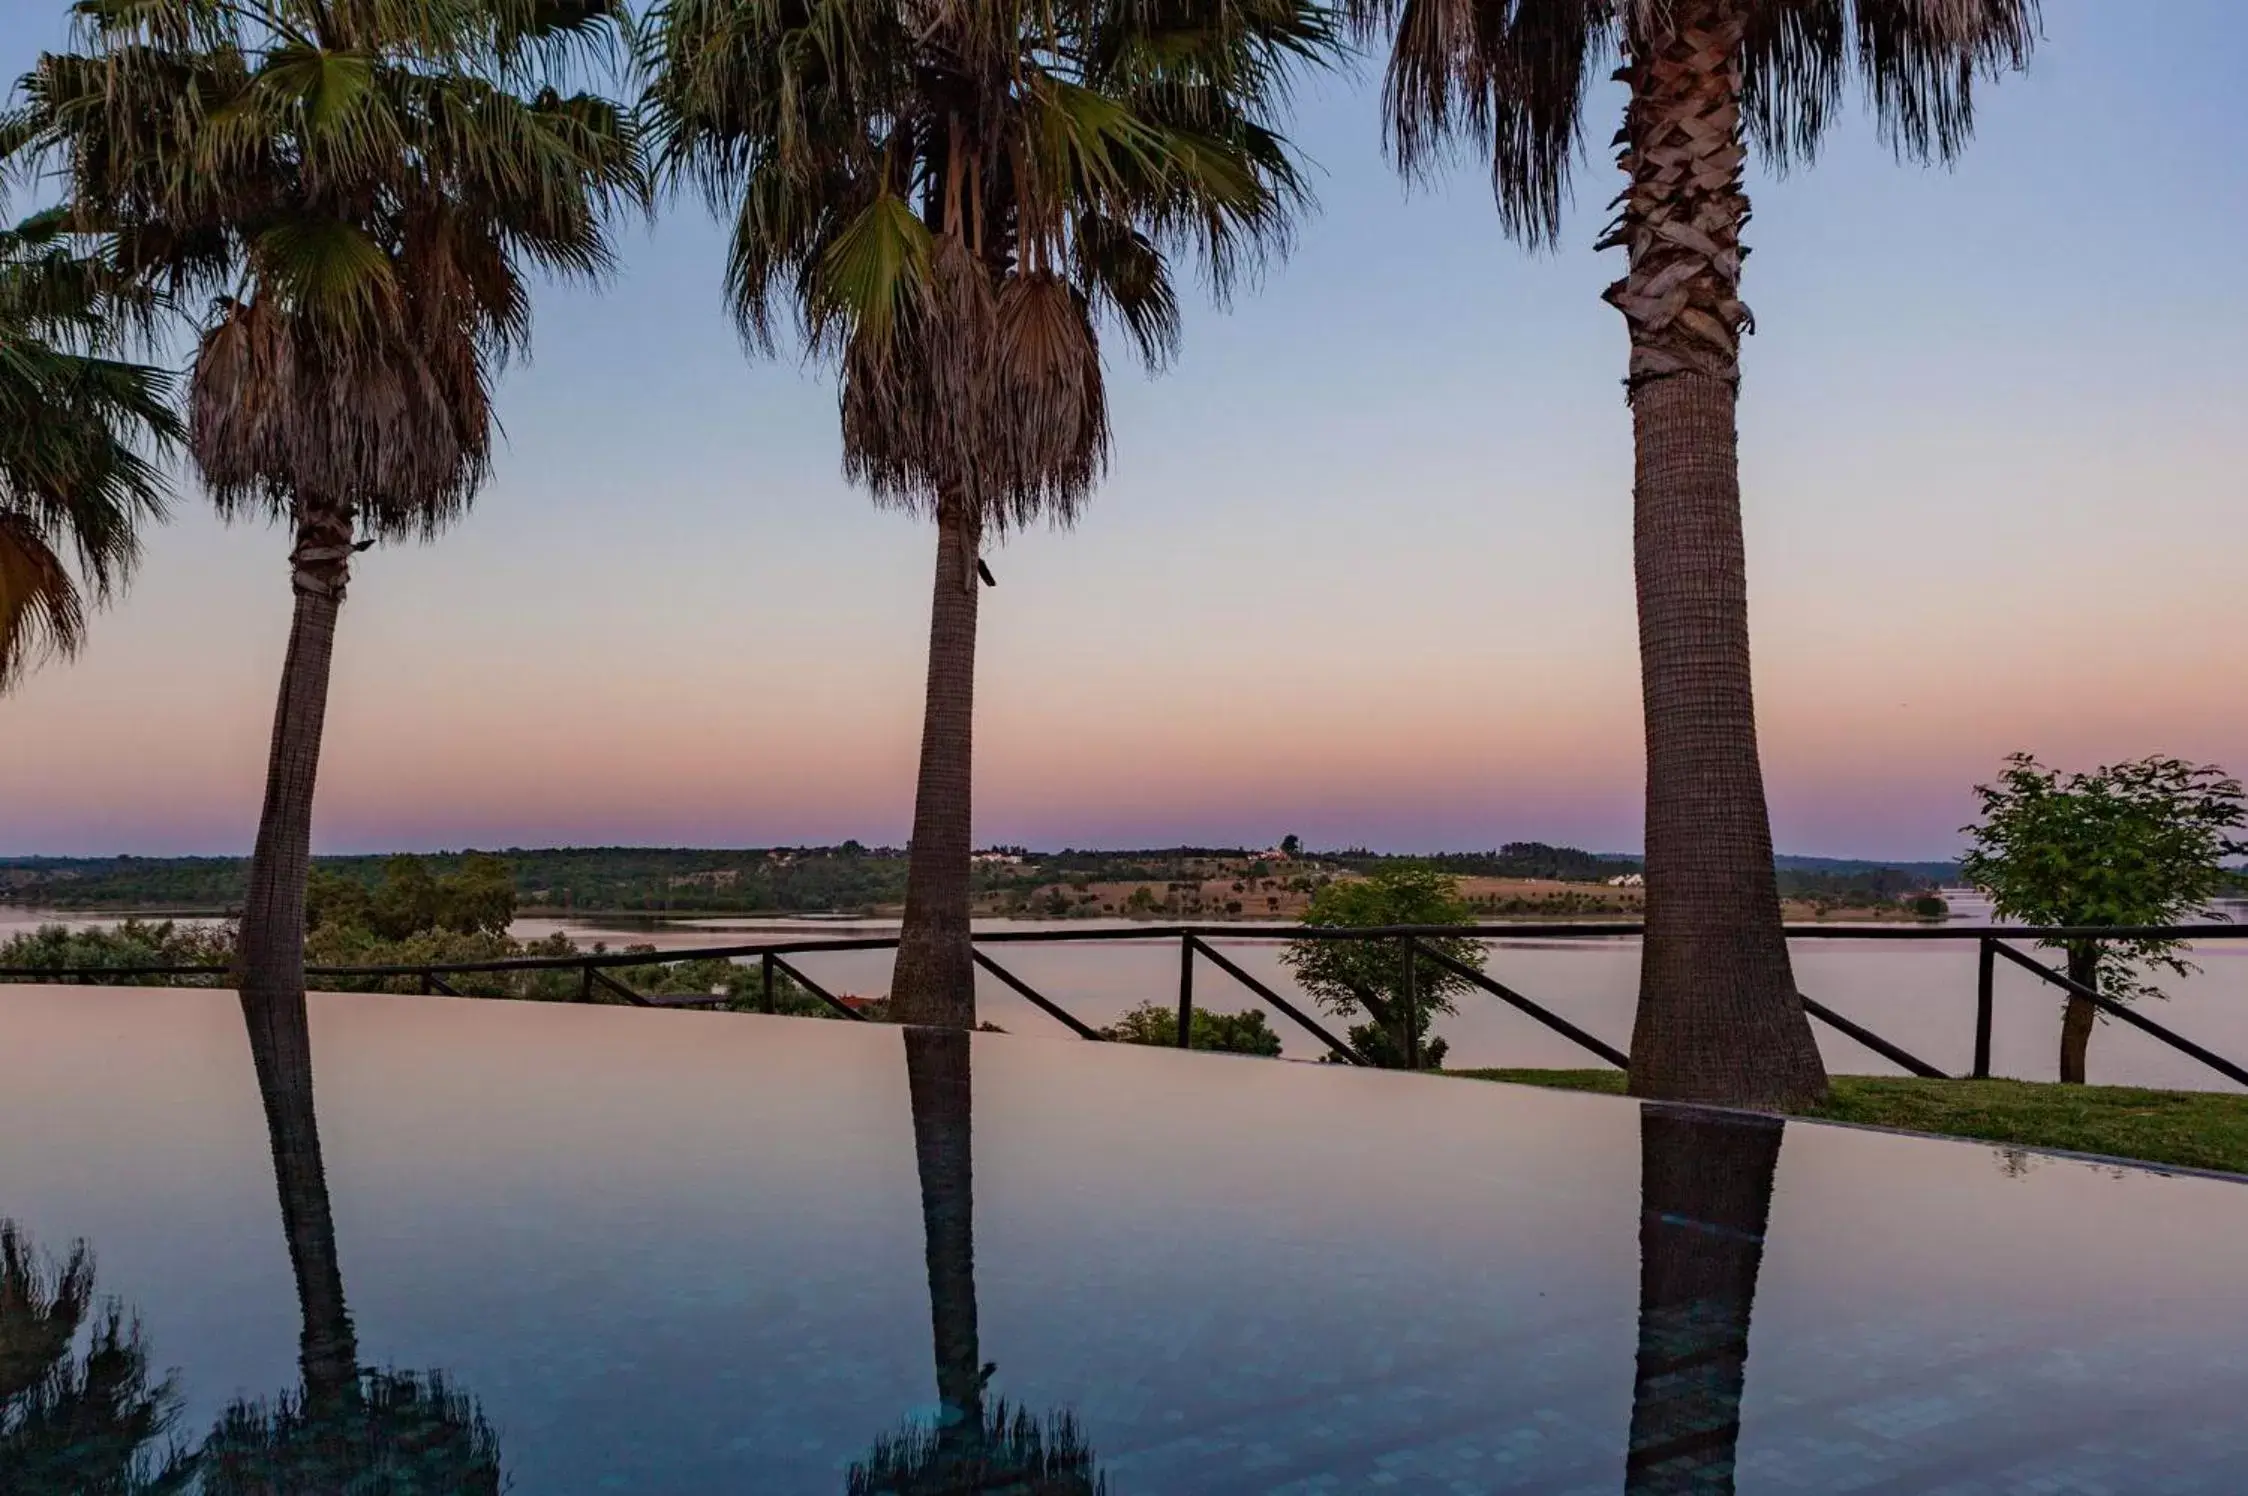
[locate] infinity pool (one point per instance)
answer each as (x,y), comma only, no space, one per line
(583,1249)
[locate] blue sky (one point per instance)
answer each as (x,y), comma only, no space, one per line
(1362,569)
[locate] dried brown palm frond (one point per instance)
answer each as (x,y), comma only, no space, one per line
(399,433)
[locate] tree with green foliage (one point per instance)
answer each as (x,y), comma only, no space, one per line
(1245,1032)
(1291,844)
(1400,992)
(951,207)
(132,942)
(78,434)
(351,198)
(410,900)
(1719,1016)
(2136,843)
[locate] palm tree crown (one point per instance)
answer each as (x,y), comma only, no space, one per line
(355,190)
(951,199)
(1509,77)
(78,435)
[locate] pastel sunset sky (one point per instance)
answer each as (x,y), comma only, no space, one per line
(1362,568)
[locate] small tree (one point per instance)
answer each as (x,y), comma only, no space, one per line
(1349,977)
(1291,844)
(2138,843)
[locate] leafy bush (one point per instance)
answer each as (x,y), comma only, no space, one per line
(1379,1045)
(133,943)
(1245,1032)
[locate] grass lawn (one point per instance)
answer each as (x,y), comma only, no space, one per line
(2198,1129)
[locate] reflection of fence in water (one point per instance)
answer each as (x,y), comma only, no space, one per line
(1080,978)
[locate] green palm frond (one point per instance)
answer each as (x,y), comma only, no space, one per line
(1509,78)
(80,435)
(358,192)
(953,202)
(874,269)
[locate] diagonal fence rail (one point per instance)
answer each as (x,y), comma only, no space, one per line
(598,977)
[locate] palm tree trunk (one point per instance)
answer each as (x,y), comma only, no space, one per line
(937,1073)
(1719,1018)
(328,1348)
(2078,1018)
(1705,1200)
(269,964)
(934,981)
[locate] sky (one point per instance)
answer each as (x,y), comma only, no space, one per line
(1361,570)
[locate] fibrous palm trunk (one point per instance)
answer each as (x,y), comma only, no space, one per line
(934,981)
(1705,1199)
(269,965)
(937,1073)
(2078,1018)
(1719,1017)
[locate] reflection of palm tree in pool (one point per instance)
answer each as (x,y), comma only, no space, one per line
(72,1424)
(386,1433)
(975,1446)
(1705,1197)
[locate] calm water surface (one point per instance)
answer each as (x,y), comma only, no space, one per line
(687,1252)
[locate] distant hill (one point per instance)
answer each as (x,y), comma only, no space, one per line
(849,878)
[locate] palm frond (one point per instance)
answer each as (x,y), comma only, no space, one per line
(358,192)
(80,433)
(954,199)
(1509,78)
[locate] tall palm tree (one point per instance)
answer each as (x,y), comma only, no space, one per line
(954,200)
(78,434)
(1719,1017)
(1705,1199)
(976,1446)
(357,192)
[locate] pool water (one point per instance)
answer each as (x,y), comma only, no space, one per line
(583,1249)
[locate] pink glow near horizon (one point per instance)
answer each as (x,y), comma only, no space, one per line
(1362,569)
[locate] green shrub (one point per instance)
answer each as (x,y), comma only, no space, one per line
(1245,1032)
(132,943)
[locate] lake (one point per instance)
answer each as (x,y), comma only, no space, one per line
(1920,995)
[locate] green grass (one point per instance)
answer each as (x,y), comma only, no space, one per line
(2195,1129)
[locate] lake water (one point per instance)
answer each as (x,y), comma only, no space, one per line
(1920,995)
(682,1252)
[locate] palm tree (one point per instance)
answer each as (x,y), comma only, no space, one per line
(975,1446)
(357,192)
(1719,1017)
(954,200)
(346,1427)
(1705,1199)
(78,432)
